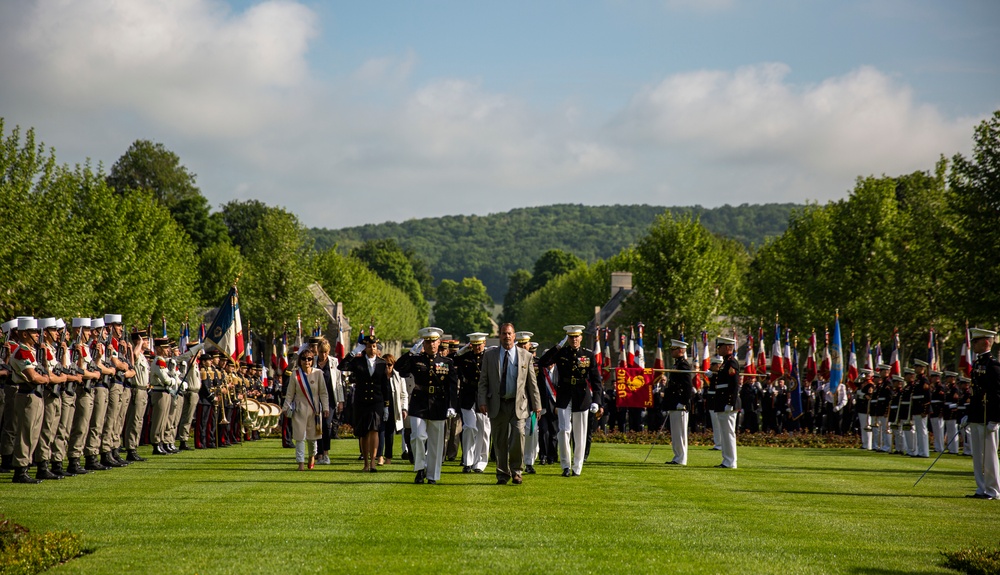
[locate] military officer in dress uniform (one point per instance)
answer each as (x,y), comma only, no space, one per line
(191,378)
(677,400)
(29,407)
(921,408)
(907,412)
(863,403)
(898,409)
(207,398)
(84,399)
(51,398)
(952,398)
(475,425)
(713,420)
(8,391)
(74,381)
(727,393)
(579,393)
(433,401)
(937,410)
(885,399)
(963,410)
(140,397)
(162,385)
(114,348)
(984,415)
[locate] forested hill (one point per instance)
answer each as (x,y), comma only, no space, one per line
(456,247)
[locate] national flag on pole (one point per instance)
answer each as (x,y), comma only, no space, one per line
(622,351)
(226,332)
(750,367)
(878,353)
(706,359)
(249,352)
(263,378)
(836,356)
(811,369)
(640,349)
(598,355)
(965,360)
(339,350)
(852,364)
(298,334)
(658,358)
(631,347)
(777,356)
(894,363)
(202,333)
(182,341)
(787,359)
(796,395)
(827,363)
(761,353)
(868,354)
(164,326)
(932,360)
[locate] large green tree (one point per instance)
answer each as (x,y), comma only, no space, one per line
(551,264)
(975,201)
(152,167)
(390,262)
(517,290)
(461,307)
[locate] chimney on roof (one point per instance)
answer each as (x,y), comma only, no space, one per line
(620,281)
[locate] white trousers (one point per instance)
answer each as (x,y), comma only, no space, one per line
(865,421)
(885,435)
(921,446)
(427,445)
(937,428)
(985,465)
(574,422)
(951,430)
(900,436)
(679,435)
(911,439)
(301,447)
(716,432)
(530,441)
(475,439)
(727,421)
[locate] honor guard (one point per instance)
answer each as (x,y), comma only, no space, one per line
(677,400)
(983,415)
(884,400)
(727,391)
(921,408)
(475,425)
(84,407)
(51,397)
(579,393)
(713,419)
(434,399)
(100,353)
(937,410)
(163,386)
(864,404)
(114,356)
(191,382)
(29,408)
(74,380)
(952,397)
(140,397)
(8,391)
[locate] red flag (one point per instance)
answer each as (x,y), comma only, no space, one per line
(598,356)
(777,356)
(631,347)
(634,387)
(894,366)
(811,358)
(622,353)
(965,360)
(750,367)
(852,365)
(761,353)
(824,367)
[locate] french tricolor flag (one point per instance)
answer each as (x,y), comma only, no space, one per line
(226,332)
(777,356)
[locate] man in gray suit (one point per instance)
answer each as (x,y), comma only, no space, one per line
(508,392)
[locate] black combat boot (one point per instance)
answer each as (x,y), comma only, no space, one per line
(184,447)
(108,461)
(75,468)
(158,449)
(133,455)
(57,469)
(94,465)
(44,473)
(118,458)
(21,476)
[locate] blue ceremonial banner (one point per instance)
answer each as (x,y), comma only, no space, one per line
(796,387)
(836,356)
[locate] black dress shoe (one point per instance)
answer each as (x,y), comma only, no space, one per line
(517,480)
(721,466)
(566,472)
(477,470)
(501,482)
(185,447)
(575,474)
(421,475)
(671,462)
(530,470)
(467,469)
(431,482)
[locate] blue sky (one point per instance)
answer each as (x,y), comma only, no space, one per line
(359,112)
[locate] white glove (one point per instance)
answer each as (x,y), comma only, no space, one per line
(594,407)
(728,408)
(464,350)
(184,386)
(358,349)
(680,407)
(451,413)
(562,342)
(417,347)
(385,413)
(965,421)
(992,426)
(196,348)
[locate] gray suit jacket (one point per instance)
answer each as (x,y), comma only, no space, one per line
(526,397)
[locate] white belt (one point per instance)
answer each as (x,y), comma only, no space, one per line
(723,386)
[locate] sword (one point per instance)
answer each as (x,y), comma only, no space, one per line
(946,443)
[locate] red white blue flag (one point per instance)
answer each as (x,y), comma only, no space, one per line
(226,332)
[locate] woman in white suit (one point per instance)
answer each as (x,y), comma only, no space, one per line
(399,401)
(306,404)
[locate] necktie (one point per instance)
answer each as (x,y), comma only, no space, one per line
(503,372)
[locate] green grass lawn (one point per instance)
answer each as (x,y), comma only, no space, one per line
(246,510)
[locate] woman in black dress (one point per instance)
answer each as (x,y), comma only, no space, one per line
(371,398)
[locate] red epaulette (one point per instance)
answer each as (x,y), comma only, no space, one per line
(25,354)
(49,356)
(160,363)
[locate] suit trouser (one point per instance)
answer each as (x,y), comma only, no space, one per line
(160,400)
(97,417)
(575,423)
(951,430)
(937,428)
(81,423)
(187,415)
(679,435)
(453,433)
(865,427)
(476,431)
(133,420)
(206,425)
(427,445)
(508,440)
(548,426)
(985,465)
(530,440)
(61,445)
(716,432)
(921,446)
(727,421)
(111,416)
(9,431)
(305,448)
(119,429)
(31,411)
